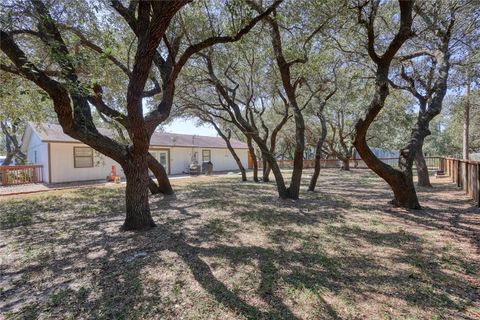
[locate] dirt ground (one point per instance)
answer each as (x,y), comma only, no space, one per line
(224,249)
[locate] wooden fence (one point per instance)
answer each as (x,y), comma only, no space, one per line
(10,175)
(465,174)
(433,163)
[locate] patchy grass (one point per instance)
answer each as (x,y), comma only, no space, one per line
(224,249)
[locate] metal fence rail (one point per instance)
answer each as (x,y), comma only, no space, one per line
(11,175)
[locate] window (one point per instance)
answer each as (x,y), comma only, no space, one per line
(35,160)
(206,156)
(82,157)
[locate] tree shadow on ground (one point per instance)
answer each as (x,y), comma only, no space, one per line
(144,275)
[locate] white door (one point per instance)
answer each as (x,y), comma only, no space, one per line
(162,157)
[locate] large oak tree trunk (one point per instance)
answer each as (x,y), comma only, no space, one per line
(138,210)
(404,192)
(422,168)
(400,181)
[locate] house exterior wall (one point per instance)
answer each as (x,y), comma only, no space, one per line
(59,158)
(62,162)
(223,160)
(63,170)
(40,149)
(180,158)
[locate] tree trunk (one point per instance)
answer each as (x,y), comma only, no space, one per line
(160,173)
(404,192)
(282,190)
(138,210)
(8,159)
(346,164)
(401,181)
(318,152)
(237,160)
(265,171)
(251,149)
(226,138)
(295,182)
(422,168)
(20,157)
(294,188)
(466,125)
(316,172)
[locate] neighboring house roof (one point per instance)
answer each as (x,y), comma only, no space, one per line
(54,133)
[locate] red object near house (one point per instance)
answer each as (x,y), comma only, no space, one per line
(113,175)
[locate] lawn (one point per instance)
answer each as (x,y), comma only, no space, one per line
(224,249)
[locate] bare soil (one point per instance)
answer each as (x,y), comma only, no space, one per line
(224,249)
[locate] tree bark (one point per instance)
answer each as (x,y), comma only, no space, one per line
(400,181)
(161,175)
(138,215)
(280,182)
(8,159)
(346,164)
(318,153)
(238,161)
(265,171)
(466,124)
(13,147)
(226,137)
(294,188)
(316,172)
(251,150)
(422,168)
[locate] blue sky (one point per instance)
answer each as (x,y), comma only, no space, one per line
(187,126)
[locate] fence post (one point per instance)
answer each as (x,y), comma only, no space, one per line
(4,173)
(455,170)
(459,173)
(465,177)
(478,184)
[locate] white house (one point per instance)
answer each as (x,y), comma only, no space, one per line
(65,159)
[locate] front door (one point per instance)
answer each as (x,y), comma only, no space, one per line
(162,157)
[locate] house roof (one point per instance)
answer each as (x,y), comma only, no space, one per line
(54,133)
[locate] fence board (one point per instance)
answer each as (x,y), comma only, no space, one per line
(466,175)
(22,174)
